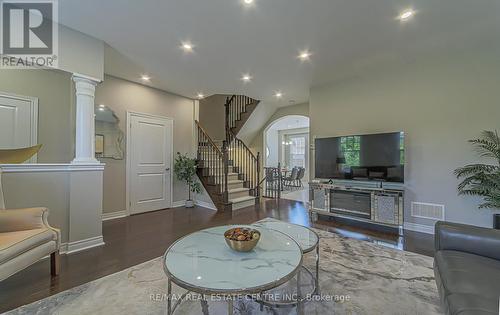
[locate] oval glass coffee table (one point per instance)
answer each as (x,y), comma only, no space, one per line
(308,240)
(202,263)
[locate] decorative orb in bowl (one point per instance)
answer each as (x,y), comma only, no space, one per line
(242,239)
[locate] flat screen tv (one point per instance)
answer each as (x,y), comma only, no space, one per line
(378,157)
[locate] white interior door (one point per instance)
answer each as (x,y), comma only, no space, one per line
(150,153)
(18,121)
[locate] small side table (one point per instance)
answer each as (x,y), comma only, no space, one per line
(308,241)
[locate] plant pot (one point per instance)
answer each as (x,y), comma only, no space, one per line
(189,203)
(496,221)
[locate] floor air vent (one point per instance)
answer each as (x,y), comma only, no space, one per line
(427,211)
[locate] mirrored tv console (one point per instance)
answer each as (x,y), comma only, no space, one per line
(375,203)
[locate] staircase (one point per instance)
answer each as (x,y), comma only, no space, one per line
(228,170)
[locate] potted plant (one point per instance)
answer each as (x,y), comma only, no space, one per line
(185,170)
(483,179)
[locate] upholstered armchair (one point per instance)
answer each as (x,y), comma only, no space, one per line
(25,238)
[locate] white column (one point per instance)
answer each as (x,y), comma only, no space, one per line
(85,120)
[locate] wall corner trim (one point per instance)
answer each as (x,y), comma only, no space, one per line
(74,247)
(178,204)
(114,215)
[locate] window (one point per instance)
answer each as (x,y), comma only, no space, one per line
(350,146)
(298,151)
(295,150)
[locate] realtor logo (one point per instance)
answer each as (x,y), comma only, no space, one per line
(29,34)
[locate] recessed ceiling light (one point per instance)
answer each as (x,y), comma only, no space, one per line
(246,78)
(278,94)
(200,95)
(187,46)
(304,55)
(406,15)
(248,2)
(145,77)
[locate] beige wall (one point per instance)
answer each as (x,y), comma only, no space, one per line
(440,102)
(56,125)
(72,194)
(122,96)
(54,90)
(213,115)
(50,190)
(80,53)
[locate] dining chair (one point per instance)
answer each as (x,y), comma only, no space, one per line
(287,181)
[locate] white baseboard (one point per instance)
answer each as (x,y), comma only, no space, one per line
(114,215)
(428,229)
(178,204)
(73,247)
(204,204)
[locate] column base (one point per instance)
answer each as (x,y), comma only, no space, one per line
(85,161)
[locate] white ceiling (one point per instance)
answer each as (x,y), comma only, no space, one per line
(345,37)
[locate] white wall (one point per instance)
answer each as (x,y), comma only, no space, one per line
(273,143)
(439,102)
(256,144)
(276,131)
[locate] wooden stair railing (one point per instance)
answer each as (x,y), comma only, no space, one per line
(241,156)
(272,182)
(238,110)
(214,167)
(245,162)
(214,162)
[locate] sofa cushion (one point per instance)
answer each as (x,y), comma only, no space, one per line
(472,304)
(468,283)
(13,244)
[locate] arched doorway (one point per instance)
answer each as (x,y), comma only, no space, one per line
(286,142)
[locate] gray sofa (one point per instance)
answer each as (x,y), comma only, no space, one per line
(467,268)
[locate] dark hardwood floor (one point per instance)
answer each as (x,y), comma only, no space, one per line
(139,238)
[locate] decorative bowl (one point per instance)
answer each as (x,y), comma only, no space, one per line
(242,239)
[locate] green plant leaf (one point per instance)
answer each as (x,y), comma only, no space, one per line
(483,179)
(185,171)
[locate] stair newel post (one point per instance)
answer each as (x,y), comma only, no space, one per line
(227,115)
(238,106)
(258,176)
(198,155)
(247,159)
(280,181)
(226,171)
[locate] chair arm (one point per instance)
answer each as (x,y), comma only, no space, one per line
(23,219)
(467,238)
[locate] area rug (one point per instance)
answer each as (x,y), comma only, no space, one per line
(356,277)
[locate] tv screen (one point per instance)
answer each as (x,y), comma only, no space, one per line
(363,157)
